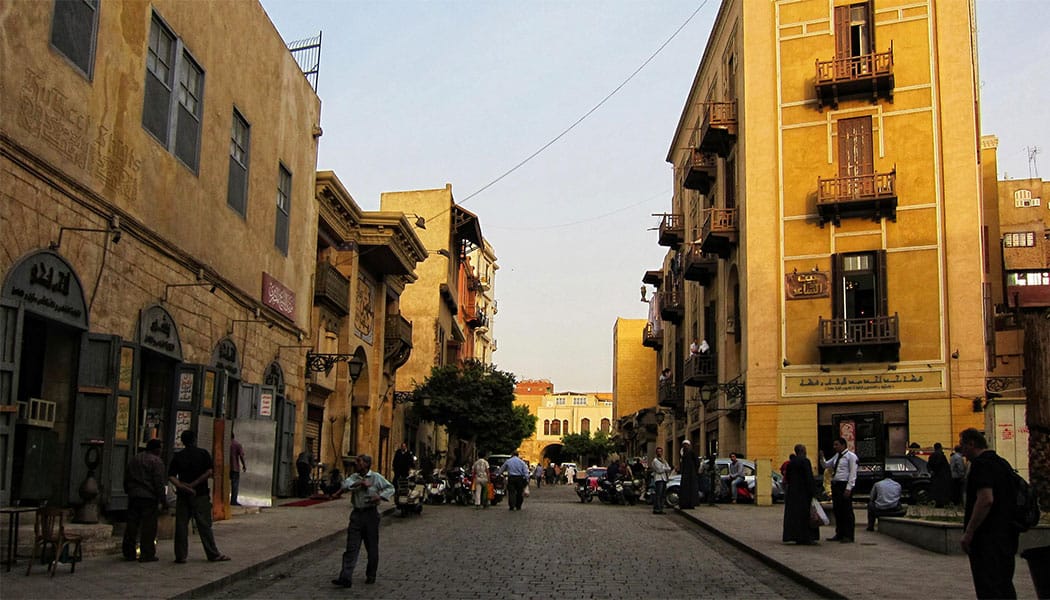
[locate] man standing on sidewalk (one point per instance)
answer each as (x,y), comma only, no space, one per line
(144,484)
(367,489)
(517,478)
(236,466)
(189,472)
(661,473)
(989,538)
(843,476)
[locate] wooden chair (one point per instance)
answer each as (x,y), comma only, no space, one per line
(50,532)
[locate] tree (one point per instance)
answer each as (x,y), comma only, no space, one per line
(474,401)
(585,447)
(1037,390)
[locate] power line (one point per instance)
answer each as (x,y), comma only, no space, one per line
(587,220)
(585,115)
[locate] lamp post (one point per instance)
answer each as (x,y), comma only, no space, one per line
(354,365)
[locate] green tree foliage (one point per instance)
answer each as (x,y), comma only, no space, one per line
(474,401)
(583,446)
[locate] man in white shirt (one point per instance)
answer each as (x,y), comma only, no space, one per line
(736,475)
(843,467)
(885,501)
(661,471)
(367,489)
(481,483)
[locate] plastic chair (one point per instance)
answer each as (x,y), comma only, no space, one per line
(50,532)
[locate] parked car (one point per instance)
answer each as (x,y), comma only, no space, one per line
(593,475)
(722,464)
(909,471)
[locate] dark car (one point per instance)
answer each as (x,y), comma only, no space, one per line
(909,471)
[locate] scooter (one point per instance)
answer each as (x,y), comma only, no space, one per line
(583,489)
(435,490)
(409,495)
(499,486)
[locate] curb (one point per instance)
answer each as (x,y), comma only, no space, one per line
(226,580)
(799,578)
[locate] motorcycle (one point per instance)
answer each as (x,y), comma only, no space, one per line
(583,489)
(458,491)
(499,486)
(612,492)
(408,497)
(435,489)
(629,491)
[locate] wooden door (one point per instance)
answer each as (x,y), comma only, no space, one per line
(11,318)
(856,157)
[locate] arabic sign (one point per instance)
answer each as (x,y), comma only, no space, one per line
(47,286)
(157,332)
(891,382)
(803,286)
(277,296)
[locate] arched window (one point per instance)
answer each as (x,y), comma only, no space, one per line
(605,425)
(546,427)
(555,427)
(565,427)
(585,425)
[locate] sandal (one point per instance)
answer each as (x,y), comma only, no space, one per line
(219,558)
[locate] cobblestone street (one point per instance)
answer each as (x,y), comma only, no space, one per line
(555,547)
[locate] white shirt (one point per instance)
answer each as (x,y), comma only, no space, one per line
(844,465)
(886,494)
(481,471)
(659,469)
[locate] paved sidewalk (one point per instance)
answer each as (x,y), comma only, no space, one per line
(253,541)
(876,566)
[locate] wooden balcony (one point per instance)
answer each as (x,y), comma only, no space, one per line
(701,169)
(397,340)
(332,289)
(652,337)
(672,304)
(669,395)
(697,266)
(700,369)
(872,196)
(653,277)
(672,230)
(477,319)
(719,233)
(854,76)
(718,128)
(1028,296)
(875,339)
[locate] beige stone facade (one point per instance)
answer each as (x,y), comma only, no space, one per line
(559,414)
(826,160)
(146,288)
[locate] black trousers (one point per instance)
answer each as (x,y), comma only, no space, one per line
(660,488)
(235,486)
(363,528)
(843,509)
(992,564)
(141,528)
(516,491)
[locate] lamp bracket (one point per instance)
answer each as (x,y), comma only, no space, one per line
(402,397)
(323,363)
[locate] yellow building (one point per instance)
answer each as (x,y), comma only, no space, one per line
(560,414)
(157,228)
(634,387)
(483,262)
(825,232)
(433,304)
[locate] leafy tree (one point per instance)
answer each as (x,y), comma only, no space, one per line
(474,401)
(587,448)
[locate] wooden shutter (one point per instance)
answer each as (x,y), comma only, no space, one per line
(11,318)
(881,283)
(837,296)
(842,33)
(283,468)
(856,151)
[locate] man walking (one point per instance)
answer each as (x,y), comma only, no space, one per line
(367,489)
(404,460)
(661,472)
(517,478)
(190,470)
(144,484)
(481,482)
(237,465)
(843,476)
(989,538)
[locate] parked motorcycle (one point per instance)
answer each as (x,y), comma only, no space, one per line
(499,486)
(408,498)
(435,489)
(612,492)
(457,491)
(583,489)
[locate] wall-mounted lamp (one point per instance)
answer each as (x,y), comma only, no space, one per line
(955,354)
(978,404)
(420,223)
(442,252)
(114,229)
(323,363)
(644,290)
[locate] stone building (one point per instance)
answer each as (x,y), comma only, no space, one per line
(483,260)
(157,231)
(559,414)
(634,387)
(825,232)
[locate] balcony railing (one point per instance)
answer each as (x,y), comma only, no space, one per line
(652,336)
(701,169)
(669,395)
(397,340)
(853,76)
(719,233)
(700,369)
(672,230)
(718,128)
(870,196)
(697,266)
(672,304)
(332,288)
(873,339)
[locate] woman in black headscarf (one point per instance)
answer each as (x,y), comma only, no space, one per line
(689,467)
(798,497)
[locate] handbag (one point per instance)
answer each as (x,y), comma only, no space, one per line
(526,492)
(817,516)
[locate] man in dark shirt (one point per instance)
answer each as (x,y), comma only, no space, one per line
(988,538)
(404,460)
(144,484)
(189,472)
(237,465)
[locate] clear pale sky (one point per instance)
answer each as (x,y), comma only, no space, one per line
(419,94)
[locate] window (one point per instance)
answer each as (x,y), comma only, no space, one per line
(237,187)
(565,426)
(856,152)
(284,208)
(175,125)
(853,31)
(1032,278)
(579,401)
(585,425)
(1021,239)
(1024,199)
(74,26)
(859,290)
(555,427)
(546,427)
(560,401)
(605,425)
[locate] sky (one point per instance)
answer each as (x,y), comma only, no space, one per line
(417,94)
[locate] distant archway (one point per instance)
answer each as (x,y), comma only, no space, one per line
(555,453)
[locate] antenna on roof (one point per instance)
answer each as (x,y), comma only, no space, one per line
(1033,168)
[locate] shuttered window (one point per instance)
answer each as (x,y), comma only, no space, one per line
(859,285)
(74,26)
(171,71)
(237,186)
(284,208)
